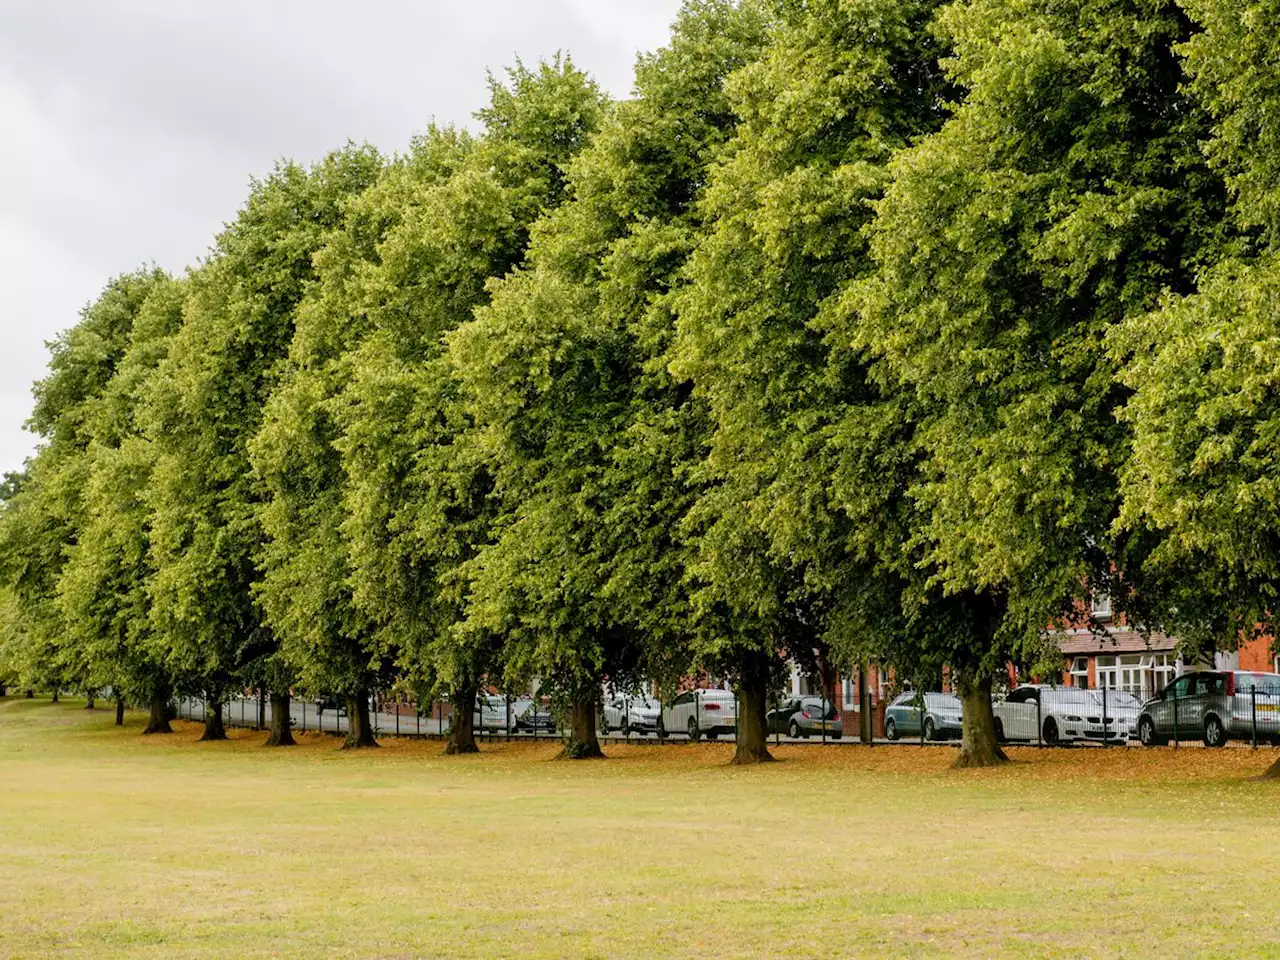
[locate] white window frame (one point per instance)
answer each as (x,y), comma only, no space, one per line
(1100,606)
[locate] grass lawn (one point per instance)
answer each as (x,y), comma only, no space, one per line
(112,844)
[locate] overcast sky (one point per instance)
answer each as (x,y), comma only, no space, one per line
(131,127)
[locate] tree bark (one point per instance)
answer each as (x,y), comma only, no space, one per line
(359,729)
(89,703)
(55,695)
(753,731)
(119,711)
(31,694)
(214,728)
(978,744)
(158,721)
(583,744)
(281,734)
(462,727)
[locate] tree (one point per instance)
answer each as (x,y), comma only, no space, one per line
(1066,191)
(103,591)
(799,525)
(205,406)
(589,438)
(44,513)
(1199,485)
(418,488)
(308,589)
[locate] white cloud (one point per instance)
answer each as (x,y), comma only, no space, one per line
(133,126)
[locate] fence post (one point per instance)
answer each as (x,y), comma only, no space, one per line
(1106,740)
(1039,723)
(697,710)
(1175,721)
(1253,696)
(823,711)
(304,716)
(397,715)
(920,714)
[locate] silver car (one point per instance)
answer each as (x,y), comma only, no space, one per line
(699,713)
(935,716)
(1214,706)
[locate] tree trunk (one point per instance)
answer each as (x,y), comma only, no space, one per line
(214,728)
(281,734)
(978,744)
(359,729)
(31,694)
(89,703)
(462,728)
(1272,772)
(55,695)
(119,711)
(583,743)
(158,721)
(753,731)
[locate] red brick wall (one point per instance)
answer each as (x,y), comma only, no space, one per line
(1257,655)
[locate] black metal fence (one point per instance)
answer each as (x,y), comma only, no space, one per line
(1031,716)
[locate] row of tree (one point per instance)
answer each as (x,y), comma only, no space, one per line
(865,329)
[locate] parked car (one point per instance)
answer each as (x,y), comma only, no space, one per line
(491,714)
(630,713)
(534,718)
(698,713)
(1056,715)
(802,717)
(911,714)
(1215,706)
(1121,706)
(336,704)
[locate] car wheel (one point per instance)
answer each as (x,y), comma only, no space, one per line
(1147,732)
(1051,732)
(712,736)
(693,728)
(661,730)
(836,736)
(929,729)
(1215,735)
(793,731)
(890,729)
(1000,737)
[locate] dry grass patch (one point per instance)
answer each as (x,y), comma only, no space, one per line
(120,845)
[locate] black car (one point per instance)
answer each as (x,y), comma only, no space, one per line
(338,704)
(537,721)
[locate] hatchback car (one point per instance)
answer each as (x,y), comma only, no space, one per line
(803,717)
(699,713)
(1214,706)
(630,713)
(935,716)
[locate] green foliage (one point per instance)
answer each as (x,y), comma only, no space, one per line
(799,509)
(1066,191)
(207,402)
(590,440)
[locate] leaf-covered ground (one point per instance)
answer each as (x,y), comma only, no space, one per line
(116,845)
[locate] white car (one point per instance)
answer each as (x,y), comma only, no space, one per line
(698,713)
(1060,715)
(630,713)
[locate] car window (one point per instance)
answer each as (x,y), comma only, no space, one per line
(1180,687)
(1267,684)
(1210,684)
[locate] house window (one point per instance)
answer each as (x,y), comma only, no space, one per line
(1101,606)
(1121,673)
(1080,672)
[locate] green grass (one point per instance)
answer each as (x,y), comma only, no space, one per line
(112,844)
